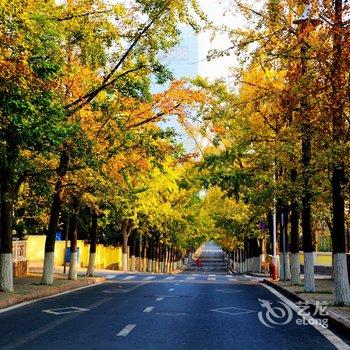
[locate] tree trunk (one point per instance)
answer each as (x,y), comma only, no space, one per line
(6,264)
(93,242)
(140,253)
(8,195)
(341,278)
(144,254)
(132,251)
(127,226)
(150,255)
(48,269)
(73,234)
(294,237)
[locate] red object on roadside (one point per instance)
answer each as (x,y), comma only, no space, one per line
(198,262)
(273,269)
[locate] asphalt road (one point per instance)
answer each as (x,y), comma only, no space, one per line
(205,308)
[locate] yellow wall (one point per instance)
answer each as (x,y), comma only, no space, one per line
(323,259)
(106,257)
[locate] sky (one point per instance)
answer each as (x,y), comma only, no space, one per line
(220,13)
(189,58)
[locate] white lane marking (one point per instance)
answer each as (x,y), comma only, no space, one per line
(148,309)
(233,311)
(190,278)
(126,330)
(159,299)
(169,278)
(149,278)
(109,277)
(335,340)
(171,290)
(177,284)
(212,275)
(232,279)
(195,274)
(9,308)
(128,277)
(211,279)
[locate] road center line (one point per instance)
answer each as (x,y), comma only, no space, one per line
(126,330)
(171,290)
(160,299)
(148,309)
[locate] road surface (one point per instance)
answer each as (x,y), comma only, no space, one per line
(202,308)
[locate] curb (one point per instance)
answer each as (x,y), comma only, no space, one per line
(53,291)
(334,319)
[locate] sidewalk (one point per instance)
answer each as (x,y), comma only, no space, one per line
(29,288)
(338,316)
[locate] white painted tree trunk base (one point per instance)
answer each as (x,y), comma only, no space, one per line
(295,269)
(149,265)
(261,261)
(91,267)
(341,279)
(48,269)
(72,274)
(309,274)
(257,265)
(6,272)
(132,263)
(287,266)
(125,262)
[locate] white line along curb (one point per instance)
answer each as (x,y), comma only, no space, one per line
(335,340)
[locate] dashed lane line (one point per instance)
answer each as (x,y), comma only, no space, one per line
(169,278)
(149,278)
(190,278)
(109,277)
(171,290)
(126,330)
(159,299)
(148,309)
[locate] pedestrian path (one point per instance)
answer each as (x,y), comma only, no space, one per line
(221,278)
